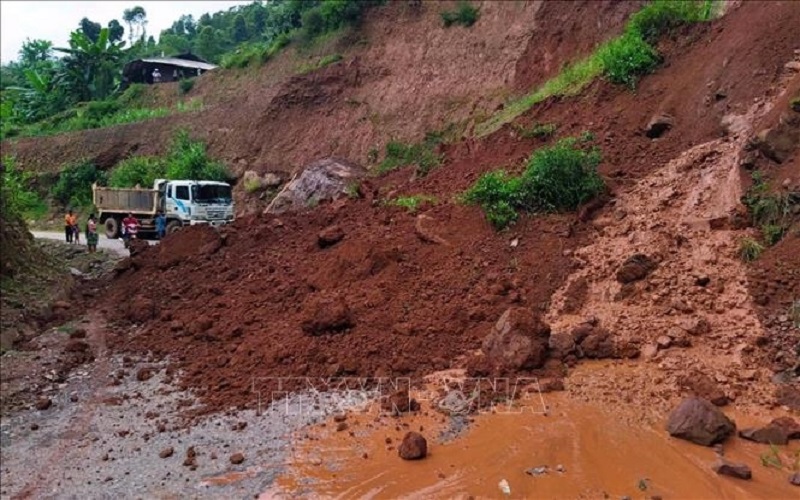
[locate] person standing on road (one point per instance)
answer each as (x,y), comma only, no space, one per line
(69,224)
(161,225)
(91,234)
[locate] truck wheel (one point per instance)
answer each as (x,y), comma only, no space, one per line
(173,226)
(112,228)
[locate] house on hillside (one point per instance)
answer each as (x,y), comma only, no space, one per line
(164,69)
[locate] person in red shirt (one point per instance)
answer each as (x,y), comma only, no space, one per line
(130,226)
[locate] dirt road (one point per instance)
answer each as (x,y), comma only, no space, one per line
(103,243)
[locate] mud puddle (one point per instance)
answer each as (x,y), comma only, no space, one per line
(575,450)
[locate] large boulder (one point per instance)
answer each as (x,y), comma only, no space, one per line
(700,422)
(323,180)
(518,340)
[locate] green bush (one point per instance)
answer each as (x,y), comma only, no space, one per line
(557,178)
(465,15)
(626,59)
(187,159)
(74,185)
(186,85)
(132,94)
(18,195)
(141,170)
(538,130)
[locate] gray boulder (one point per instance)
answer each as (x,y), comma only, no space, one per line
(323,180)
(518,340)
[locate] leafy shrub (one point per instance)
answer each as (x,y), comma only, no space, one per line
(186,85)
(98,110)
(557,178)
(137,170)
(187,159)
(626,59)
(499,195)
(74,185)
(749,249)
(465,15)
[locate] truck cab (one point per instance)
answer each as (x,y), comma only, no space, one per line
(195,202)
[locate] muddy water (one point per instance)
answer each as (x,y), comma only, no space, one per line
(601,456)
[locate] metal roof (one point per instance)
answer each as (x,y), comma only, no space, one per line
(174,61)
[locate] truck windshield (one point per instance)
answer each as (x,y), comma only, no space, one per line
(211,193)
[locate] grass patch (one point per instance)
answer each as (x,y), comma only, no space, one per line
(411,203)
(324,61)
(794,313)
(542,131)
(422,155)
(100,115)
(465,14)
(750,249)
(622,60)
(19,196)
(771,213)
(556,178)
(353,190)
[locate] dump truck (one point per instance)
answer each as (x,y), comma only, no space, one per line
(183,202)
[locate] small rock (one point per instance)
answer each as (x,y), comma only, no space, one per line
(330,236)
(537,471)
(166,452)
(663,342)
(795,479)
(560,468)
(342,426)
(725,468)
(635,268)
(43,404)
(34,427)
(413,447)
(143,374)
(792,66)
(339,417)
(237,458)
(648,351)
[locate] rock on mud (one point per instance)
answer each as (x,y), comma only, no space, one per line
(725,468)
(43,404)
(795,479)
(700,422)
(323,180)
(326,314)
(166,452)
(330,236)
(701,385)
(518,340)
(399,402)
(635,268)
(789,425)
(413,447)
(770,434)
(237,458)
(659,125)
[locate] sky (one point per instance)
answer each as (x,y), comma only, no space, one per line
(54,20)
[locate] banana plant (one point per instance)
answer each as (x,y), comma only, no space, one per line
(90,69)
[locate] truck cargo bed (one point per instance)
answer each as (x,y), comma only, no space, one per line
(125,199)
